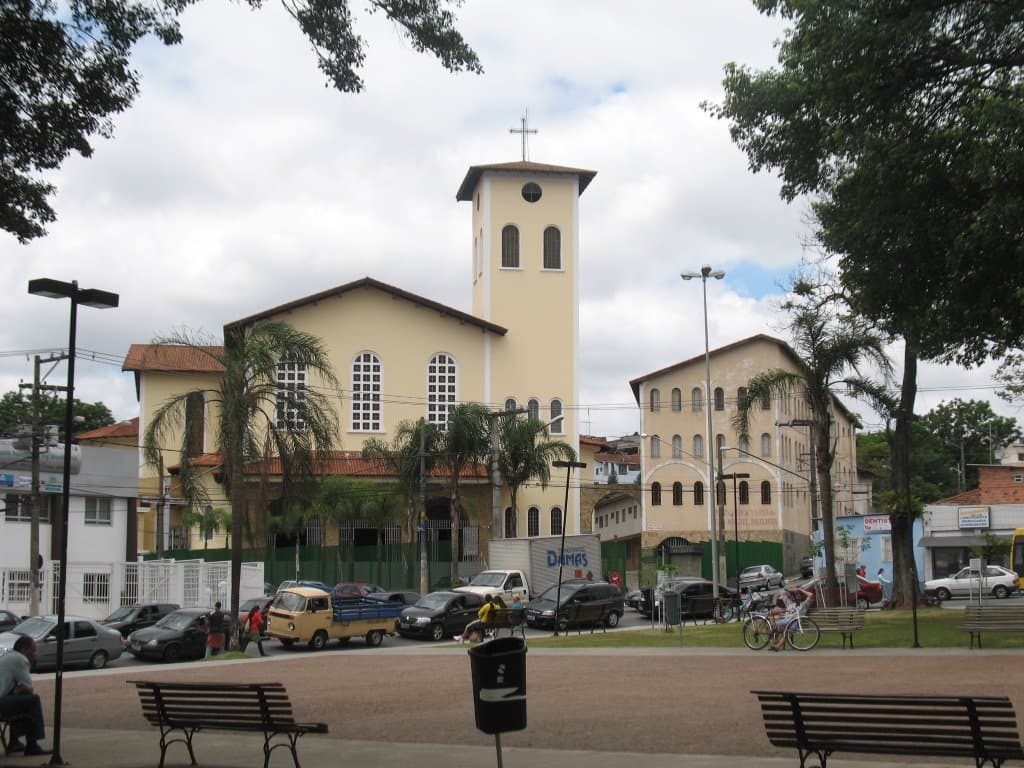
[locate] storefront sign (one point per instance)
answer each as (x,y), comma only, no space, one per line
(877,524)
(973,517)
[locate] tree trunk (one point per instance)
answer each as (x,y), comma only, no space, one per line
(905,577)
(456,517)
(823,458)
(237,515)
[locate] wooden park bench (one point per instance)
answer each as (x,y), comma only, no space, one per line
(845,621)
(190,707)
(992,618)
(508,618)
(818,724)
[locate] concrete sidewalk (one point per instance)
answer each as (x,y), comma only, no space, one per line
(83,748)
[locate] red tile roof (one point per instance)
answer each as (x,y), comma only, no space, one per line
(173,358)
(123,429)
(347,463)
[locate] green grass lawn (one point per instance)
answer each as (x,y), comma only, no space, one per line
(882,629)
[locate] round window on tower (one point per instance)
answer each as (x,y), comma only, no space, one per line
(531,192)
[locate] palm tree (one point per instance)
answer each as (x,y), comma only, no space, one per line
(464,443)
(210,521)
(827,346)
(522,458)
(409,458)
(257,418)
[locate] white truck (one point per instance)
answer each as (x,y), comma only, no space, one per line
(527,567)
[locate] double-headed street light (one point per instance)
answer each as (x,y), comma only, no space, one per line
(704,274)
(90,297)
(565,508)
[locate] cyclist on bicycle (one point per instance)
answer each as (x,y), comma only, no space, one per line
(790,603)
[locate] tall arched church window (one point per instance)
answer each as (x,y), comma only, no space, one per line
(533,409)
(510,246)
(655,400)
(698,446)
(557,423)
(511,404)
(533,522)
(195,421)
(677,399)
(766,492)
(744,492)
(741,395)
(511,525)
(655,447)
(656,494)
(677,447)
(696,399)
(698,493)
(552,248)
(744,444)
(556,521)
(766,444)
(441,388)
(719,399)
(677,494)
(291,395)
(366,393)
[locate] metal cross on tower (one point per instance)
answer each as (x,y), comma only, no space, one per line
(524,131)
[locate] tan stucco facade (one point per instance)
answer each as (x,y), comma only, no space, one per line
(776,503)
(519,343)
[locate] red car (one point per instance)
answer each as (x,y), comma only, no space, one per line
(355,589)
(868,592)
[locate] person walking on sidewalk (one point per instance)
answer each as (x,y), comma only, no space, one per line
(254,624)
(18,698)
(215,636)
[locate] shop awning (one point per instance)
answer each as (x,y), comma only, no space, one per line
(962,540)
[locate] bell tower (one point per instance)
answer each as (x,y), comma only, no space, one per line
(526,278)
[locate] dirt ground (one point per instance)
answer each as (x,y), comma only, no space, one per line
(665,702)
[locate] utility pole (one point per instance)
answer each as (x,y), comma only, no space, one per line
(35,435)
(424,567)
(160,510)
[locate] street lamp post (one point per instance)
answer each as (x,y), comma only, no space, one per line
(90,297)
(704,274)
(734,476)
(561,549)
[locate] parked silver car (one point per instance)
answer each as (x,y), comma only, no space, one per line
(760,577)
(86,642)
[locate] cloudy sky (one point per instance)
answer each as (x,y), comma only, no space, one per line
(238,182)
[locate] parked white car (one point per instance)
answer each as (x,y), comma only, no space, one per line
(995,580)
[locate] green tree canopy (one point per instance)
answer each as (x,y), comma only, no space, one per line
(970,433)
(16,409)
(65,71)
(905,123)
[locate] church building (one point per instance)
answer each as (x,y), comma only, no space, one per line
(401,356)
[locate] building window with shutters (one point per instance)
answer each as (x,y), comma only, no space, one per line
(533,522)
(552,248)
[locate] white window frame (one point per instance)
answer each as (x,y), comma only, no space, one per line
(292,383)
(97,510)
(442,388)
(367,374)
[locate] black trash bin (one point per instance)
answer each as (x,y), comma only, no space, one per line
(499,684)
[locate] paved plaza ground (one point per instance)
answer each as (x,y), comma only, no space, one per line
(658,702)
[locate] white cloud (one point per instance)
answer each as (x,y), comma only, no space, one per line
(238,181)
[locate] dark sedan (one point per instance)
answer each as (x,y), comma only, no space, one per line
(438,615)
(129,618)
(403,597)
(8,620)
(179,635)
(688,590)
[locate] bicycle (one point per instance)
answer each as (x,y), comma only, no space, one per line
(801,632)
